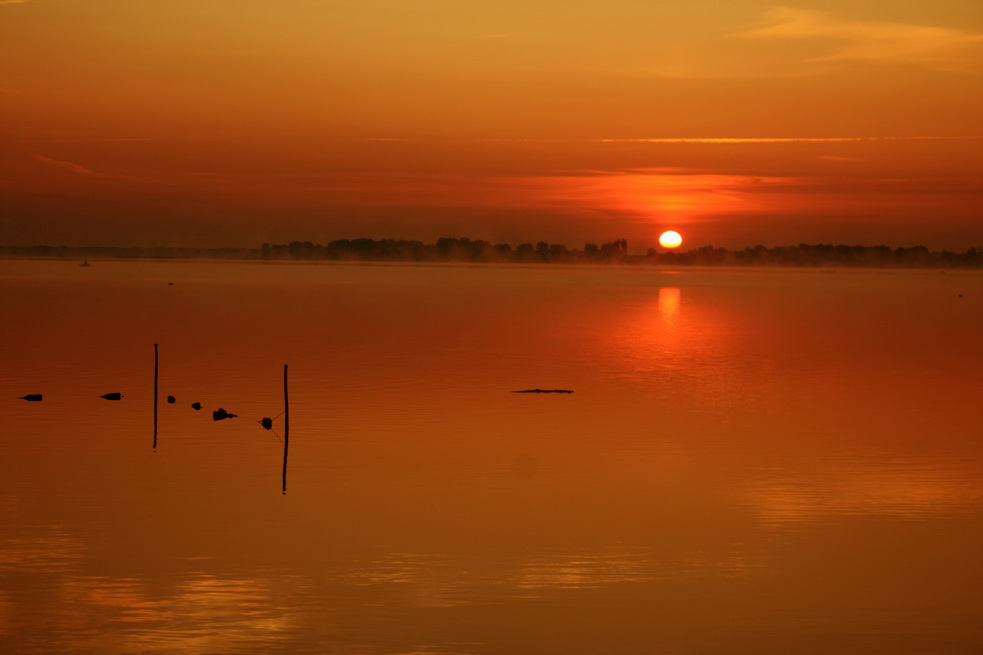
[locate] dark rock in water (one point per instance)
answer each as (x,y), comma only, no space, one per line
(171,399)
(111,396)
(32,397)
(196,405)
(220,414)
(267,423)
(544,391)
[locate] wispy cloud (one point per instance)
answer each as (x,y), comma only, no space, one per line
(833,139)
(82,171)
(865,40)
(719,140)
(67,165)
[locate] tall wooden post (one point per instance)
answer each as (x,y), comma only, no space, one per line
(286,427)
(155,395)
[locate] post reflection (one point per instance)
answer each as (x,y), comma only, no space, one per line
(6,614)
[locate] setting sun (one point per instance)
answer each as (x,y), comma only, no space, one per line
(670,239)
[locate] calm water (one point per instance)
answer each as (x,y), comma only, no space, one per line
(764,462)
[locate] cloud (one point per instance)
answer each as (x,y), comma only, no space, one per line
(831,139)
(67,165)
(82,171)
(868,41)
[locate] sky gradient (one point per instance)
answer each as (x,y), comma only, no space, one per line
(219,123)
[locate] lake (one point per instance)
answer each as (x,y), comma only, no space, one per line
(760,461)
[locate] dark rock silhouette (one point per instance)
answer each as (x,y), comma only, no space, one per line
(544,391)
(32,397)
(171,400)
(267,423)
(85,263)
(196,405)
(112,396)
(220,415)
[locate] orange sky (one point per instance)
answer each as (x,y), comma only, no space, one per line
(736,123)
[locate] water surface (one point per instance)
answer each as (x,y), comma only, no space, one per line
(752,461)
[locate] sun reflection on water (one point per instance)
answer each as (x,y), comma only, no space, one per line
(202,613)
(590,570)
(669,302)
(47,549)
(896,488)
(127,597)
(426,580)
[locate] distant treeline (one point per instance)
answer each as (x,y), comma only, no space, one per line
(466,250)
(107,252)
(823,256)
(478,251)
(449,250)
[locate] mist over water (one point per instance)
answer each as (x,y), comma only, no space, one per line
(752,461)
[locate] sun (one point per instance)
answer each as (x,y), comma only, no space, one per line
(670,239)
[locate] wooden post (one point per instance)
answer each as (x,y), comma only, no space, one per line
(286,427)
(155,396)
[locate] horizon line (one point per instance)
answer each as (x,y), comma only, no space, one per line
(467,239)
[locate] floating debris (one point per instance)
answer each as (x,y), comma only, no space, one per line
(197,406)
(544,391)
(220,415)
(32,397)
(267,423)
(171,400)
(112,396)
